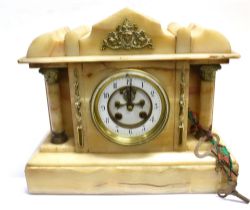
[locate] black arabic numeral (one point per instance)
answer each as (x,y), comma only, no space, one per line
(152,93)
(156,106)
(105,95)
(115,85)
(103,107)
(129,81)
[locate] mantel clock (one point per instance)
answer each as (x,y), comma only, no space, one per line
(130,102)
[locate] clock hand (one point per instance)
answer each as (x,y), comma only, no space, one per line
(130,105)
(128,93)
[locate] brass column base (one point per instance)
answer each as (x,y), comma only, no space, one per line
(58,138)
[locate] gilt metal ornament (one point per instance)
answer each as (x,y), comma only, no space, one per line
(181,105)
(78,107)
(51,76)
(208,72)
(127,36)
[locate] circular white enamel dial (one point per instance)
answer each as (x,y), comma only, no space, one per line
(130,107)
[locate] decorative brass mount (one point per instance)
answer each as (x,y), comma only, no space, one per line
(127,36)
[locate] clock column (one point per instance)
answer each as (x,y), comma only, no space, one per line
(51,77)
(208,73)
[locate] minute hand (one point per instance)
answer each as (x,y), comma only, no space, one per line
(130,104)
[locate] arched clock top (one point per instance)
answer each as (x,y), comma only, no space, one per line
(128,33)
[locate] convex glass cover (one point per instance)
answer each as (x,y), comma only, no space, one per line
(130,107)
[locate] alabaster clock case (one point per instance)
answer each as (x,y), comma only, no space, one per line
(127,99)
(128,107)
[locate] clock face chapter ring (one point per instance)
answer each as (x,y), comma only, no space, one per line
(130,107)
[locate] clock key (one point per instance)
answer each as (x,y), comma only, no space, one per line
(240,196)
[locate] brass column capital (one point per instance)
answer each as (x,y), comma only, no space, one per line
(208,72)
(51,76)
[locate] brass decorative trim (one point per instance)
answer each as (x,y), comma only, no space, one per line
(58,138)
(78,106)
(208,72)
(181,105)
(51,76)
(127,36)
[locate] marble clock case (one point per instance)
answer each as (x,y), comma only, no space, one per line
(77,159)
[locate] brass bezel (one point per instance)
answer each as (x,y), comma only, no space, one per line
(136,140)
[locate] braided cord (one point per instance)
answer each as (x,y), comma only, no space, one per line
(219,151)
